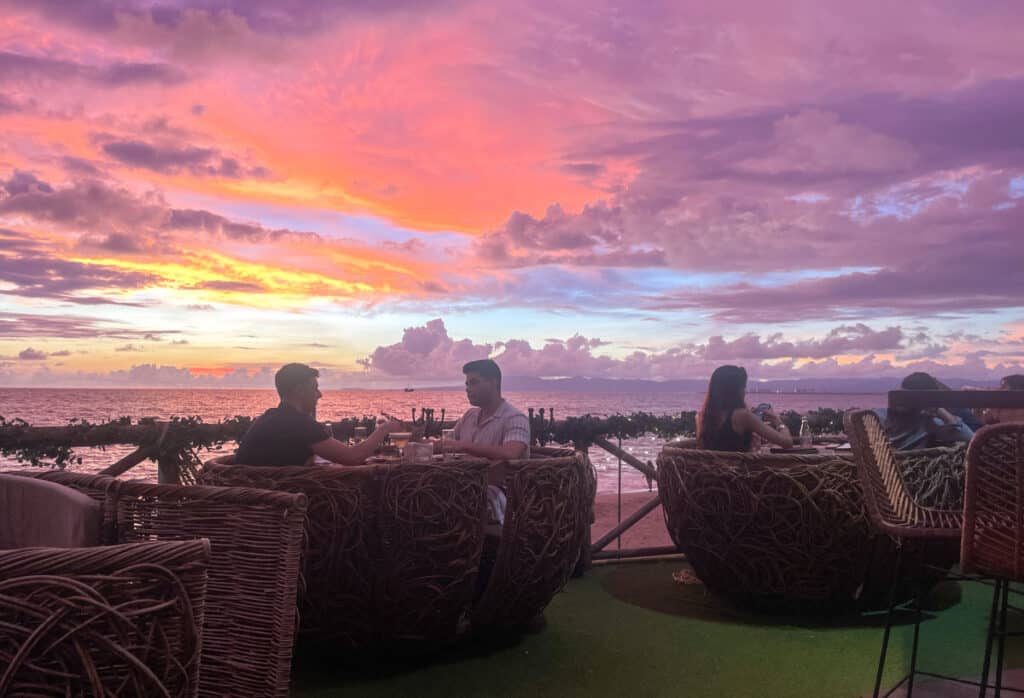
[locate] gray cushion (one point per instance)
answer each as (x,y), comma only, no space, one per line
(37,513)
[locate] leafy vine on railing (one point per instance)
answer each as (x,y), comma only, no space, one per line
(59,454)
(176,443)
(582,431)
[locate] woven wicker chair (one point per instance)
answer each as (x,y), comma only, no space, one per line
(992,544)
(895,512)
(256,538)
(550,504)
(782,532)
(392,551)
(122,620)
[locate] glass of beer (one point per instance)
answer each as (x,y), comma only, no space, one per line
(400,439)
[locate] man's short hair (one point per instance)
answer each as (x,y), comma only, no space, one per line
(922,381)
(292,376)
(1014,382)
(485,368)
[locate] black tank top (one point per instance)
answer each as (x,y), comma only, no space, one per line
(726,438)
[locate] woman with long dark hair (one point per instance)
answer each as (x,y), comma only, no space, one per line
(725,423)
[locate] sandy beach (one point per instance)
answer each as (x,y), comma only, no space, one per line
(649,531)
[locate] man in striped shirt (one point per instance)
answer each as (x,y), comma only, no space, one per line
(492,428)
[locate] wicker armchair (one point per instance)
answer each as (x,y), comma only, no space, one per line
(256,538)
(550,503)
(392,551)
(102,621)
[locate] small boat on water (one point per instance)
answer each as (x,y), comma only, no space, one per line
(409,390)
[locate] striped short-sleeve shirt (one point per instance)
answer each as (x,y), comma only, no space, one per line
(506,425)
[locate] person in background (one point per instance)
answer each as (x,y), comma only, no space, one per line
(1007,414)
(289,433)
(724,422)
(492,428)
(911,428)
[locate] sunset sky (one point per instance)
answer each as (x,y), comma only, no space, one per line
(192,193)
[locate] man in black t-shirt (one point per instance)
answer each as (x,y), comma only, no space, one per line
(289,434)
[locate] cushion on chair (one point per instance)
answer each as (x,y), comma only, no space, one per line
(36,513)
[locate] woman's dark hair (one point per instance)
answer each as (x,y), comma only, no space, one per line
(725,393)
(1014,382)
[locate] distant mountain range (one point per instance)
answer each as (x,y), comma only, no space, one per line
(800,385)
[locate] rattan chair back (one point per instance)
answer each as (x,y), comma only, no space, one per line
(256,538)
(993,534)
(890,504)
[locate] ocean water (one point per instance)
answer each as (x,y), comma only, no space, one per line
(55,407)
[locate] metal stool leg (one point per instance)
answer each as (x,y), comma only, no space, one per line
(913,650)
(1004,602)
(993,617)
(888,619)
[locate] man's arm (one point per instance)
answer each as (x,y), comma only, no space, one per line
(513,446)
(506,451)
(337,452)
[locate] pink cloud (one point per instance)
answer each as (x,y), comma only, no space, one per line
(428,353)
(425,352)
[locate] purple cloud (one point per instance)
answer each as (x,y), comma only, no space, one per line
(267,16)
(23,183)
(122,74)
(841,340)
(29,326)
(172,159)
(31,354)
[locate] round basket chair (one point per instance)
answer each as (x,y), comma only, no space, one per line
(547,521)
(391,551)
(790,533)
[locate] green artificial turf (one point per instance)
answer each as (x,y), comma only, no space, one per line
(629,630)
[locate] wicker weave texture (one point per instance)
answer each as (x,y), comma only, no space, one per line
(781,529)
(549,505)
(121,620)
(935,476)
(392,550)
(340,521)
(993,536)
(256,537)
